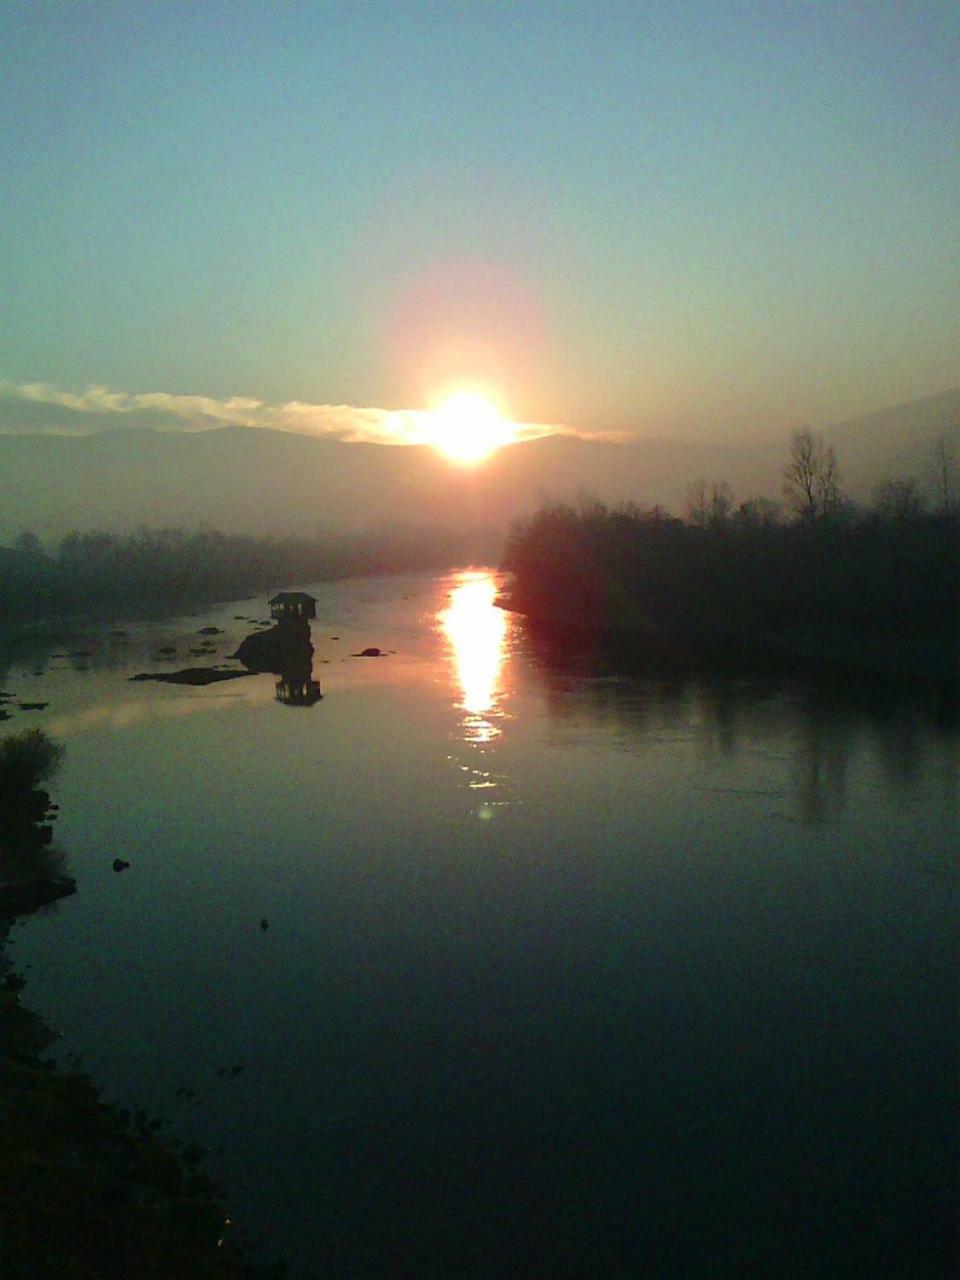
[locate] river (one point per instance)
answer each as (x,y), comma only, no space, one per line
(492,963)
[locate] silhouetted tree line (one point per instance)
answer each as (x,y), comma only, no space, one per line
(818,569)
(166,568)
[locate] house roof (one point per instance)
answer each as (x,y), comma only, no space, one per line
(293,597)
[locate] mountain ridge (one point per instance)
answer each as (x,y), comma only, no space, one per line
(265,481)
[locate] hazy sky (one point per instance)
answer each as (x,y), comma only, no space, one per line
(671,217)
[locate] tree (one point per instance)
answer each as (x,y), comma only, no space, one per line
(758,512)
(698,503)
(709,504)
(811,481)
(28,544)
(946,475)
(899,500)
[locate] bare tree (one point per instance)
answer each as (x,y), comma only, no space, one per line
(946,475)
(698,503)
(721,501)
(709,504)
(759,512)
(811,480)
(899,500)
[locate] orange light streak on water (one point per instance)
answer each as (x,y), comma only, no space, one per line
(476,631)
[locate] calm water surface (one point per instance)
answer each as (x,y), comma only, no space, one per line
(564,974)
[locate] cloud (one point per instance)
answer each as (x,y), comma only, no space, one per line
(43,407)
(349,422)
(237,411)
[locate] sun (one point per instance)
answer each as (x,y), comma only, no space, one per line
(468,427)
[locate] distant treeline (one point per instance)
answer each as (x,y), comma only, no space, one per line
(817,577)
(168,568)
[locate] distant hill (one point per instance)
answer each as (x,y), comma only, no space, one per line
(896,443)
(261,481)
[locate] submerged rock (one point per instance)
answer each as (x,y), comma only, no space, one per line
(191,675)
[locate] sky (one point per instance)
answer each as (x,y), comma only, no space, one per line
(669,219)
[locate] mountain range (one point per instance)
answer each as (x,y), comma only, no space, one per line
(259,481)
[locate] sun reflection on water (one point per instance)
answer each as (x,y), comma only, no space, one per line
(476,631)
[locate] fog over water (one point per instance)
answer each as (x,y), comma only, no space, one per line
(496,962)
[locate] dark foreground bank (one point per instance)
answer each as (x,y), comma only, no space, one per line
(87,1190)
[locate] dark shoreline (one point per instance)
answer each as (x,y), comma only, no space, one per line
(87,1189)
(117,612)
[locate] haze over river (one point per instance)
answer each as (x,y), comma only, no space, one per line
(563,974)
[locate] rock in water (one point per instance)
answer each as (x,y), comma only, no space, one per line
(281,649)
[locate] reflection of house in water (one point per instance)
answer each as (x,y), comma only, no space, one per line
(293,606)
(297,689)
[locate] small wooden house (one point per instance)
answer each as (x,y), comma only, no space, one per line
(293,606)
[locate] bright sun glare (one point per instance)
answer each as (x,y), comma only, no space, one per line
(468,428)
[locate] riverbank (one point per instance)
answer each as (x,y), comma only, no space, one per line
(98,575)
(866,596)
